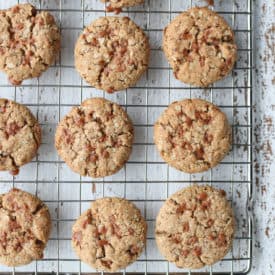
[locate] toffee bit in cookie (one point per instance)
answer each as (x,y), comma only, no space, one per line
(68,137)
(202,196)
(212,236)
(114,10)
(192,240)
(13,81)
(199,153)
(188,121)
(93,158)
(205,205)
(115,230)
(221,240)
(14,172)
(186,35)
(187,146)
(103,242)
(102,230)
(14,225)
(18,247)
(110,90)
(80,121)
(131,231)
(176,239)
(103,138)
(181,208)
(197,251)
(208,138)
(185,227)
(105,154)
(12,129)
(210,2)
(88,219)
(210,222)
(77,237)
(185,253)
(107,264)
(133,250)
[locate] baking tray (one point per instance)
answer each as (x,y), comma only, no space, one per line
(146,179)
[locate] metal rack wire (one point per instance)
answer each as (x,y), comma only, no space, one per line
(146,179)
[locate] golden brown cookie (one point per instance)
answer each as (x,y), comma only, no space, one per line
(95,139)
(112,53)
(20,136)
(29,42)
(110,235)
(25,226)
(192,135)
(200,47)
(195,227)
(117,5)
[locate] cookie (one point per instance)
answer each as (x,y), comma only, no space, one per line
(20,136)
(117,5)
(29,42)
(112,53)
(200,47)
(110,235)
(95,139)
(192,135)
(195,227)
(24,229)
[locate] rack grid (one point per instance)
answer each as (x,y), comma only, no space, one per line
(146,179)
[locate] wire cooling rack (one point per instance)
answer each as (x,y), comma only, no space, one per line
(146,179)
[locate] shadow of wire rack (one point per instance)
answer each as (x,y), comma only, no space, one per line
(146,179)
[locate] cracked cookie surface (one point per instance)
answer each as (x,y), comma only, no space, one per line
(29,42)
(195,227)
(20,136)
(112,53)
(200,47)
(110,235)
(192,135)
(95,139)
(25,227)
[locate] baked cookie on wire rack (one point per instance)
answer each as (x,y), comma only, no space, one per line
(112,53)
(29,42)
(110,235)
(95,139)
(116,6)
(195,227)
(192,135)
(25,228)
(200,47)
(20,136)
